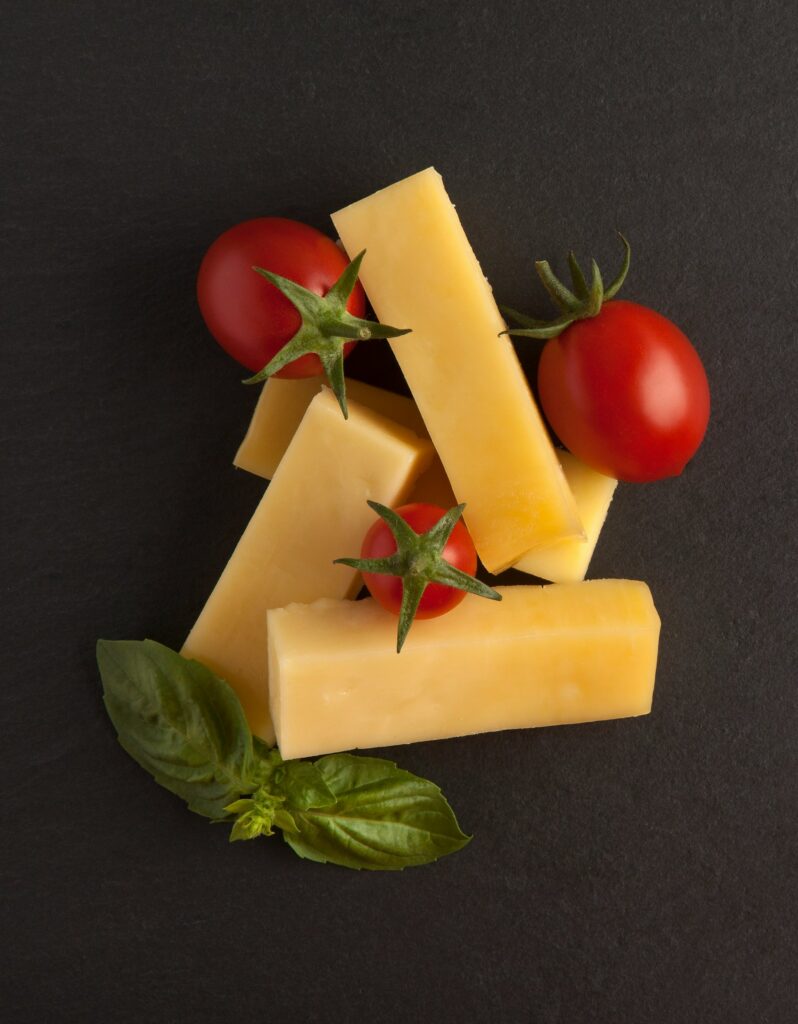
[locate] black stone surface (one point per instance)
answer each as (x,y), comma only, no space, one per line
(637,871)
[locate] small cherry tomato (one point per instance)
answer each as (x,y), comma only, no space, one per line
(459,551)
(626,392)
(622,386)
(418,561)
(249,317)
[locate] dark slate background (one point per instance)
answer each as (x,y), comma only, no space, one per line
(639,871)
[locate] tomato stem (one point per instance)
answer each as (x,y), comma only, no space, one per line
(583,302)
(326,328)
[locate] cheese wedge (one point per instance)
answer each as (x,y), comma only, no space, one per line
(281,406)
(420,272)
(567,560)
(571,652)
(313,511)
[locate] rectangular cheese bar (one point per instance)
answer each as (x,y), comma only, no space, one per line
(569,652)
(281,406)
(313,511)
(420,272)
(566,561)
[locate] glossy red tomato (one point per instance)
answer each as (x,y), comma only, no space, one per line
(459,551)
(246,314)
(626,392)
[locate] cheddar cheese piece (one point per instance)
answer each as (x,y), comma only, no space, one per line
(570,652)
(567,560)
(420,272)
(313,511)
(281,406)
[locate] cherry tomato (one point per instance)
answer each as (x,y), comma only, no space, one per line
(245,313)
(626,392)
(459,551)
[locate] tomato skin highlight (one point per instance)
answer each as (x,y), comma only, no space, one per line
(626,392)
(246,314)
(459,551)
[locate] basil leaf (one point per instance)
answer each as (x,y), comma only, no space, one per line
(383,818)
(266,762)
(303,786)
(179,721)
(283,820)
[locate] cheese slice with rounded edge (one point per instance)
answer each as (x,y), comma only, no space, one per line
(567,560)
(282,404)
(420,272)
(313,511)
(565,653)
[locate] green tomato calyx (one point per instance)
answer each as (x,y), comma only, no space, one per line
(326,328)
(418,561)
(583,302)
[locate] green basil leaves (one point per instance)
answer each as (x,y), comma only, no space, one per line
(381,817)
(186,727)
(180,722)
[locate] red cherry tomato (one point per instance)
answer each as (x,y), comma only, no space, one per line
(459,551)
(626,392)
(244,312)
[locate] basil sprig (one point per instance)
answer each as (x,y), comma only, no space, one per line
(186,727)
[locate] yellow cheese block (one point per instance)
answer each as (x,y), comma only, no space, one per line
(567,560)
(281,406)
(313,511)
(569,652)
(420,272)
